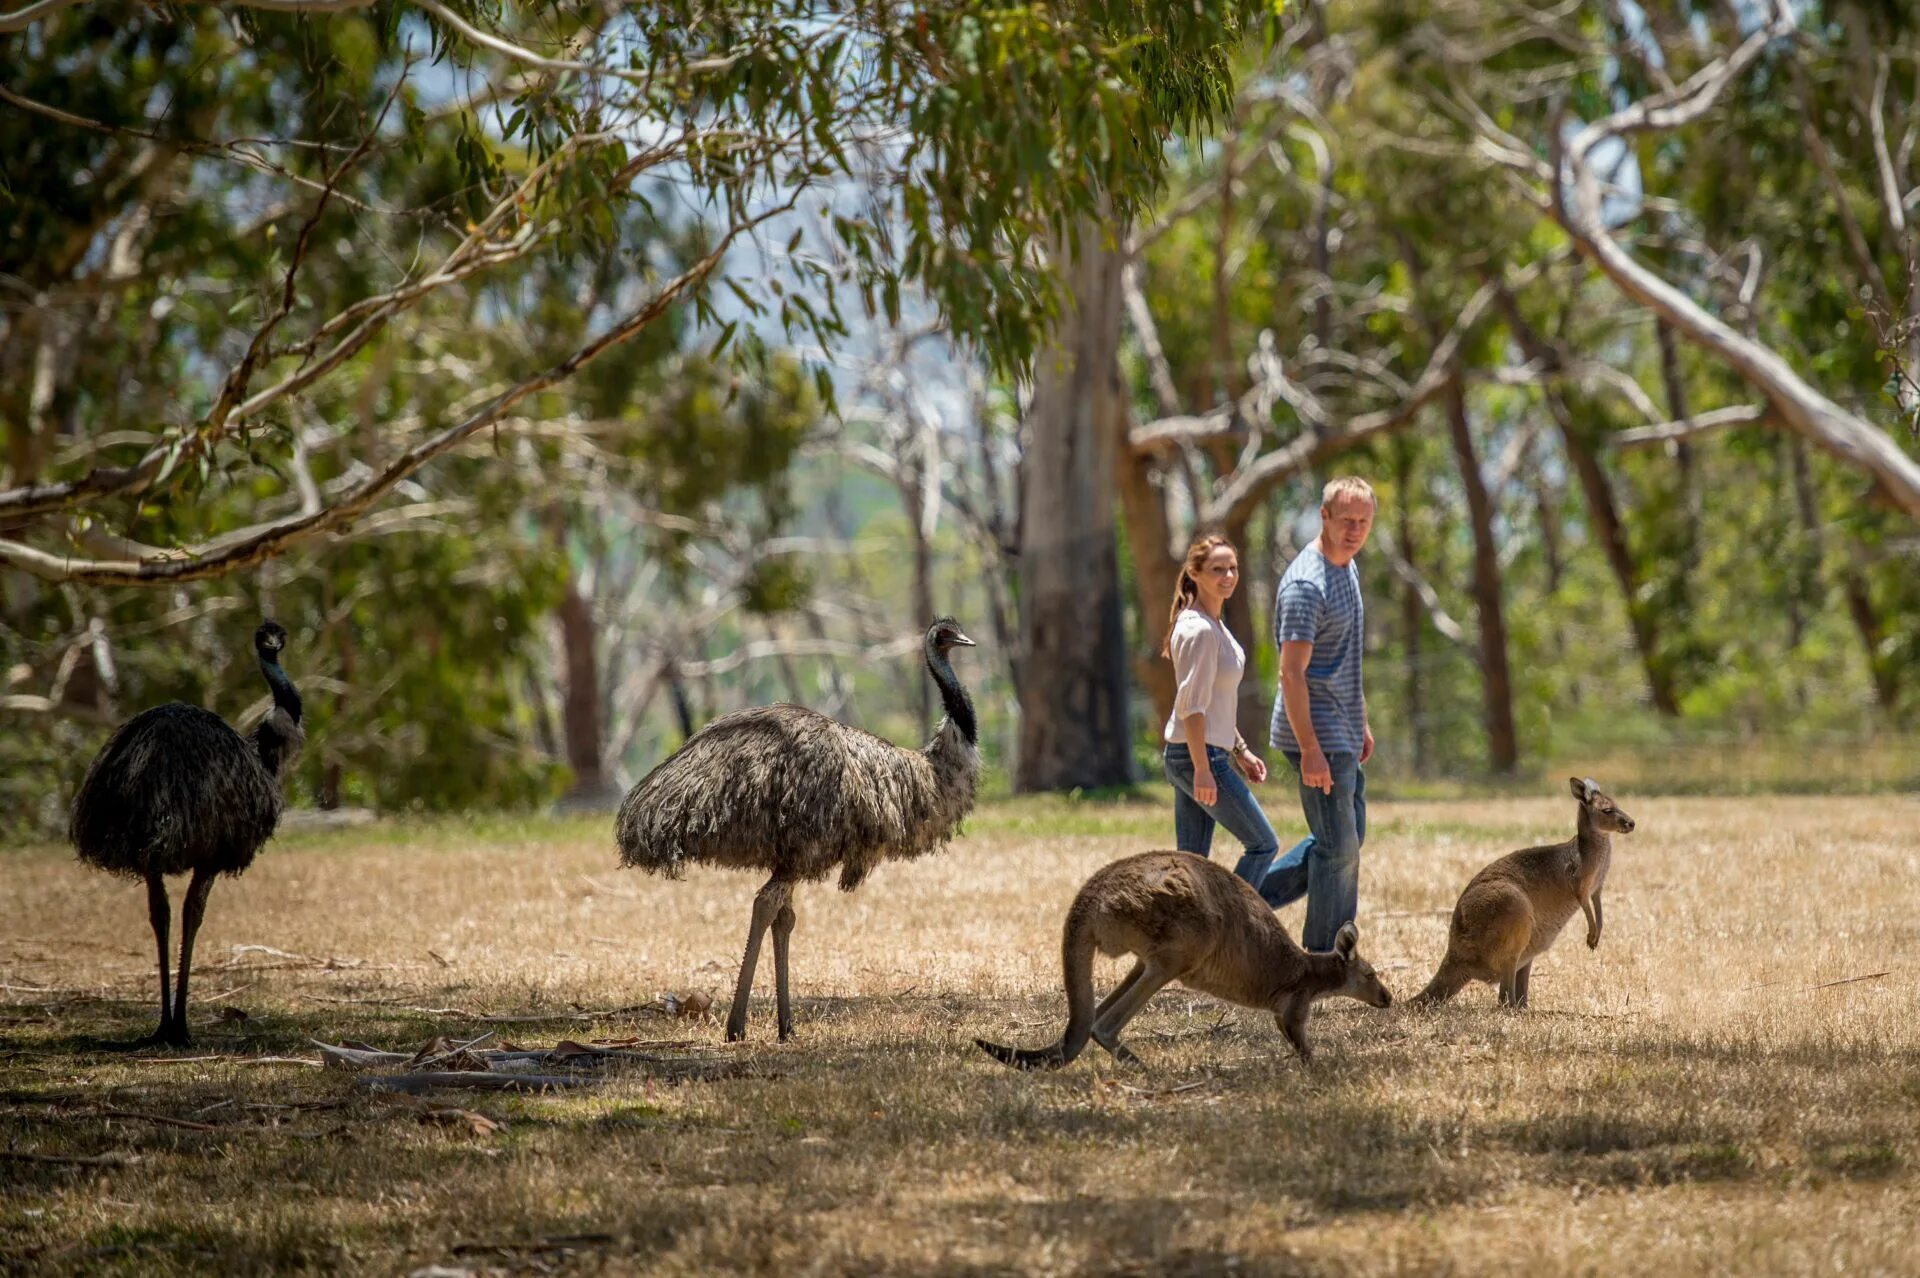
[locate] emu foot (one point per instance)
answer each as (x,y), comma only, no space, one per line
(170,1034)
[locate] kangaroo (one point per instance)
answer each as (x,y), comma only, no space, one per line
(1189,920)
(1511,911)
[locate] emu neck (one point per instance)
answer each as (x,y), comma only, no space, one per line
(953,695)
(279,736)
(285,695)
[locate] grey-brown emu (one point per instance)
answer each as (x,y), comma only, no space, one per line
(789,791)
(178,791)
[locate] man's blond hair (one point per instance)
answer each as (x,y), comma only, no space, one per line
(1347,486)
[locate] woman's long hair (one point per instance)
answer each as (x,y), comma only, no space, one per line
(1186,590)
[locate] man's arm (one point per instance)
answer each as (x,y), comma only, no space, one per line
(1366,731)
(1294,656)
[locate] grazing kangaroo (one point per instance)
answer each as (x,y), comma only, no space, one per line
(1511,911)
(1189,920)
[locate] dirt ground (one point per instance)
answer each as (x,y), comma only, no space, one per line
(1730,1084)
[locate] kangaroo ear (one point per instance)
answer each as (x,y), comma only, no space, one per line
(1583,788)
(1348,937)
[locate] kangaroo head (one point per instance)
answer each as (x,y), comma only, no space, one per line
(1605,812)
(1362,982)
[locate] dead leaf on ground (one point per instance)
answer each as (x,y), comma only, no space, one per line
(478,1123)
(694,1004)
(234,1014)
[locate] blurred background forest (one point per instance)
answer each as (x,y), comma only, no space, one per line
(565,376)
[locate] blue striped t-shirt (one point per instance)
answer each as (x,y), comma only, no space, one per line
(1320,604)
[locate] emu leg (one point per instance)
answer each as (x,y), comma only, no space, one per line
(190,914)
(159,914)
(782,929)
(766,906)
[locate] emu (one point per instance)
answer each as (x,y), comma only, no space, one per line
(177,791)
(787,790)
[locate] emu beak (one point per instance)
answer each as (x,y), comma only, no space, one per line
(963,641)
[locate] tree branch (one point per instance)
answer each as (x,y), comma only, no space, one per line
(277,537)
(1698,424)
(1250,484)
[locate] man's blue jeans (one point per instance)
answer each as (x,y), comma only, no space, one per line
(1324,867)
(1235,807)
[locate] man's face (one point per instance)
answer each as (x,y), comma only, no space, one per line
(1346,524)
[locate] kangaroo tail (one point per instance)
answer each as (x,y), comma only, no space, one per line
(1445,984)
(1076,957)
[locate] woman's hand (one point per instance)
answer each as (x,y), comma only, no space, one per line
(1206,791)
(1256,766)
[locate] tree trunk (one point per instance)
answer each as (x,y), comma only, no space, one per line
(1242,617)
(1503,751)
(1412,613)
(1156,569)
(1073,699)
(1612,534)
(1682,453)
(1853,583)
(581,709)
(923,607)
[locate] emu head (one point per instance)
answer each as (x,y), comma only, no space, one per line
(1605,813)
(269,639)
(945,633)
(1362,982)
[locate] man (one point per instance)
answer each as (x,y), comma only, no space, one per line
(1320,722)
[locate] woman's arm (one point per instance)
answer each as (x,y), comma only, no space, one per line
(1204,787)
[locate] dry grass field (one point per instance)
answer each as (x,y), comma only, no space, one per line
(1729,1085)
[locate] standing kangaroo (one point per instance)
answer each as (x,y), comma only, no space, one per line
(1511,911)
(1187,919)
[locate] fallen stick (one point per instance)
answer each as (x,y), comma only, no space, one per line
(164,1121)
(555,1243)
(1870,976)
(472,1080)
(279,1060)
(115,1159)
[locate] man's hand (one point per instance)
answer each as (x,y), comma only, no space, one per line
(1315,772)
(1366,742)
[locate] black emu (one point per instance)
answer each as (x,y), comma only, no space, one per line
(176,790)
(785,789)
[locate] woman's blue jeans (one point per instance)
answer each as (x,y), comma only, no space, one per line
(1234,807)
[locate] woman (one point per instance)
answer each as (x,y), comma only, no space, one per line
(1207,664)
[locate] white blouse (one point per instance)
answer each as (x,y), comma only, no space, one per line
(1207,664)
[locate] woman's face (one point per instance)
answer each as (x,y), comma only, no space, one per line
(1219,575)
